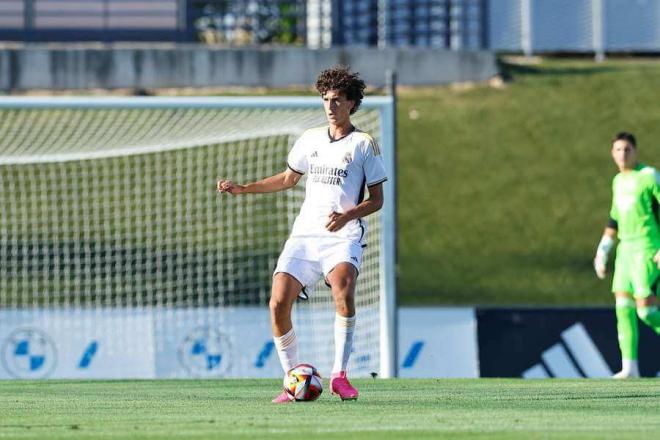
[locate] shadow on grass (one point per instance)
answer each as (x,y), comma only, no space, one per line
(575,263)
(510,71)
(532,282)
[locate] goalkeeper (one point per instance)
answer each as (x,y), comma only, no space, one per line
(634,218)
(329,233)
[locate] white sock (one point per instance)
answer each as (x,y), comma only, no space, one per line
(344,329)
(630,366)
(287,349)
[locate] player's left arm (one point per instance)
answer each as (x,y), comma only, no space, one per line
(336,221)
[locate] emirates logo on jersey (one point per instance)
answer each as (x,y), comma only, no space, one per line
(315,154)
(347,158)
(326,175)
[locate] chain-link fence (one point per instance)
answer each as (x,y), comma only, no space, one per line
(542,26)
(452,24)
(528,26)
(94,20)
(249,22)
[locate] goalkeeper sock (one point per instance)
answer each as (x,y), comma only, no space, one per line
(287,349)
(650,316)
(631,366)
(344,329)
(626,327)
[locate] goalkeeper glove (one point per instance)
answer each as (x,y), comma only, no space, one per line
(600,262)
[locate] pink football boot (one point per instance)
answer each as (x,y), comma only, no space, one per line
(340,386)
(283,397)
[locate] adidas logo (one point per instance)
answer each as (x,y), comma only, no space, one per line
(315,154)
(574,356)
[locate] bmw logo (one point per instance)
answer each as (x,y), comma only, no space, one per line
(29,354)
(203,352)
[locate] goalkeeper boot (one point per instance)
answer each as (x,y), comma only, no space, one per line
(340,386)
(283,397)
(623,374)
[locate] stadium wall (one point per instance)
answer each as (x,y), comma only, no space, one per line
(61,67)
(189,343)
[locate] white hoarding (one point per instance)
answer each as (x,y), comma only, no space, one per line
(85,344)
(216,343)
(438,342)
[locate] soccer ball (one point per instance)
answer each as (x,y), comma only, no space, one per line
(303,383)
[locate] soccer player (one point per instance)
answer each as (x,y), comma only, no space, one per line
(634,218)
(329,233)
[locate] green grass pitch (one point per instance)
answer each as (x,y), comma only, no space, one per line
(387,409)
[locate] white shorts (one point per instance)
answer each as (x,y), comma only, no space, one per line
(310,258)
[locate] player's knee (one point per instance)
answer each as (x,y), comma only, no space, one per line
(278,306)
(343,284)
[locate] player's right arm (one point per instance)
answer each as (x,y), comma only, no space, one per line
(296,167)
(279,182)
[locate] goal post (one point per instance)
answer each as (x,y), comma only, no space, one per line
(112,224)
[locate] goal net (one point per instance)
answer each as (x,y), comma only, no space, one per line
(119,259)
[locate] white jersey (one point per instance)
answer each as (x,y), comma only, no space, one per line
(337,172)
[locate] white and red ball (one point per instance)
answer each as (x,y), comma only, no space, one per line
(303,383)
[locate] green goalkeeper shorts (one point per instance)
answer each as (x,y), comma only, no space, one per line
(635,271)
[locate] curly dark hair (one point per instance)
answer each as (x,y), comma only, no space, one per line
(341,79)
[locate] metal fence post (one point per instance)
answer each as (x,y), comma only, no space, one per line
(106,15)
(597,29)
(383,23)
(526,27)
